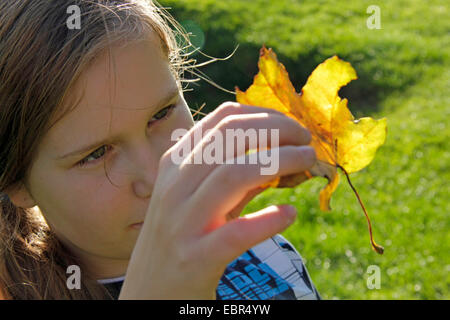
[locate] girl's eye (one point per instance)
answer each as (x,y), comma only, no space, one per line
(161,114)
(100,152)
(96,155)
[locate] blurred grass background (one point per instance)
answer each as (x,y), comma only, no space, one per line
(403,74)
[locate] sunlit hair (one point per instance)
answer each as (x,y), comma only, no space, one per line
(40,59)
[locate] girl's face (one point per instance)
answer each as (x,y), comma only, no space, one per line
(129,127)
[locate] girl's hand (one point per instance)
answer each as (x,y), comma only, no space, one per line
(191,231)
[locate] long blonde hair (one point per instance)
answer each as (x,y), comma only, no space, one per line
(40,59)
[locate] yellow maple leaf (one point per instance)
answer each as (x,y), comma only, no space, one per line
(339,140)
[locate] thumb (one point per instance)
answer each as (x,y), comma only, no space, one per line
(237,236)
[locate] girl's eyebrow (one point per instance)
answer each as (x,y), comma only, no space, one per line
(172,93)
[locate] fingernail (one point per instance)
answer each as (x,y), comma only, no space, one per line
(291,213)
(308,136)
(309,154)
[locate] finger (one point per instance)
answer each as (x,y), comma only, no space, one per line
(228,184)
(260,130)
(237,236)
(238,209)
(211,120)
(251,128)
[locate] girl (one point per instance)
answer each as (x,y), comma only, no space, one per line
(86,174)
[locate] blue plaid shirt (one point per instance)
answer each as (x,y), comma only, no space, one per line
(273,269)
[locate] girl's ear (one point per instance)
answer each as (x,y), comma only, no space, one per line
(20,196)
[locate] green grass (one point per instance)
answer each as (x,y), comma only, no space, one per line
(404,76)
(405,190)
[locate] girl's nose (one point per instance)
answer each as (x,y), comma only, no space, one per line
(145,169)
(143,185)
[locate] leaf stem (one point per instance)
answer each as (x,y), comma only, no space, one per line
(379,249)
